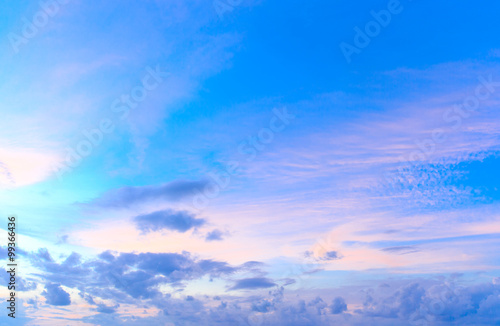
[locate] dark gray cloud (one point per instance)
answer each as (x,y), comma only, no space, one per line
(129,196)
(55,295)
(215,235)
(180,221)
(253,283)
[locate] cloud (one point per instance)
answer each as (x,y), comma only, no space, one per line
(401,249)
(401,304)
(102,308)
(338,306)
(129,196)
(326,256)
(253,283)
(215,235)
(44,255)
(181,221)
(318,304)
(331,255)
(391,303)
(123,276)
(139,275)
(62,239)
(16,168)
(55,295)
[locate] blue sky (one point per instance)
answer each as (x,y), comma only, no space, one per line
(227,163)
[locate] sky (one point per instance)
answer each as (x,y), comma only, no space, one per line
(235,162)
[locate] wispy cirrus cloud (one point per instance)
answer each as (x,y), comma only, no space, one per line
(17,168)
